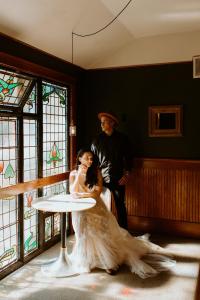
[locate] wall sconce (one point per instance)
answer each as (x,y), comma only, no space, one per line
(72,130)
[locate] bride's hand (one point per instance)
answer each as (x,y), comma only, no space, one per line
(82,195)
(76,195)
(82,170)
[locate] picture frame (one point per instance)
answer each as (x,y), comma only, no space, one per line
(165,121)
(196,66)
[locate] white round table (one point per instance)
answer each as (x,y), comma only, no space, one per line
(62,204)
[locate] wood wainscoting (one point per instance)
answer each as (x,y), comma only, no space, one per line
(163,195)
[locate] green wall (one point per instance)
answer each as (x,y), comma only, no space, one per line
(129,92)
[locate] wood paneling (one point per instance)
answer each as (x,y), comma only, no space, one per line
(164,189)
(166,226)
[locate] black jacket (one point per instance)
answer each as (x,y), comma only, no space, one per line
(114,155)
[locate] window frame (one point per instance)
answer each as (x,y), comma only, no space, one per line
(19,65)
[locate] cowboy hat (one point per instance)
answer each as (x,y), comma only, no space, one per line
(109,115)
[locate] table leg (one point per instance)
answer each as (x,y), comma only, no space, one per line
(62,266)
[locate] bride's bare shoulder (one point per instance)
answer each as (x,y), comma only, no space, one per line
(73,173)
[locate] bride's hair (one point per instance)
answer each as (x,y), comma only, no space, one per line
(91,175)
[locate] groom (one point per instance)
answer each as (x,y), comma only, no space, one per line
(114,153)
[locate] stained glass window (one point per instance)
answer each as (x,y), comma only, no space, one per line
(55,145)
(55,189)
(20,90)
(30,105)
(8,176)
(48,231)
(13,88)
(54,129)
(8,151)
(30,150)
(56,224)
(8,232)
(30,223)
(54,219)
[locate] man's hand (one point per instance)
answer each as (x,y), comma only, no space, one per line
(124,179)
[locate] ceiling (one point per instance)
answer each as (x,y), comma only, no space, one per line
(48,24)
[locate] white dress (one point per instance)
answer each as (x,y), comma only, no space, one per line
(101,243)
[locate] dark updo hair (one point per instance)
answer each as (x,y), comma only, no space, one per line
(91,175)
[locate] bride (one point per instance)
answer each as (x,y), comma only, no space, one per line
(100,241)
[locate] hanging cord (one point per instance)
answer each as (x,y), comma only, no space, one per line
(99,30)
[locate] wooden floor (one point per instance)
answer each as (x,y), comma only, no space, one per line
(28,283)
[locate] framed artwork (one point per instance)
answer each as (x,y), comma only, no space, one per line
(196,66)
(165,121)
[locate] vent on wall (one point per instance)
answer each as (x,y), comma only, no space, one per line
(196,66)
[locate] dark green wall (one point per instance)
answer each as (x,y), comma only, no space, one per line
(129,92)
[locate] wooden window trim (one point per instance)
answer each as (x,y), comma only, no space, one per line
(20,188)
(22,65)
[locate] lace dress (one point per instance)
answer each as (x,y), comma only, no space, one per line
(102,243)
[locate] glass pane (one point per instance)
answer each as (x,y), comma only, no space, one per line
(8,207)
(166,121)
(53,189)
(30,106)
(13,88)
(47,229)
(8,151)
(56,226)
(8,232)
(54,129)
(30,224)
(30,150)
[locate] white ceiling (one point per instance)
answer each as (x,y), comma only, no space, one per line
(48,24)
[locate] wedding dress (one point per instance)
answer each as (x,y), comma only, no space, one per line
(101,243)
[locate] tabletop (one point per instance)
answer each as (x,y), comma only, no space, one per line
(62,203)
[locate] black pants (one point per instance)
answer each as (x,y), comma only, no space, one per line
(119,198)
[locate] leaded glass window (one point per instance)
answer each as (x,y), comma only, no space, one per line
(30,223)
(48,228)
(54,146)
(54,129)
(30,173)
(30,150)
(19,160)
(8,151)
(8,176)
(8,232)
(30,105)
(13,88)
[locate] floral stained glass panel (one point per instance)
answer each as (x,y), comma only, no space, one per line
(8,232)
(30,105)
(54,129)
(30,173)
(30,150)
(30,224)
(12,88)
(8,151)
